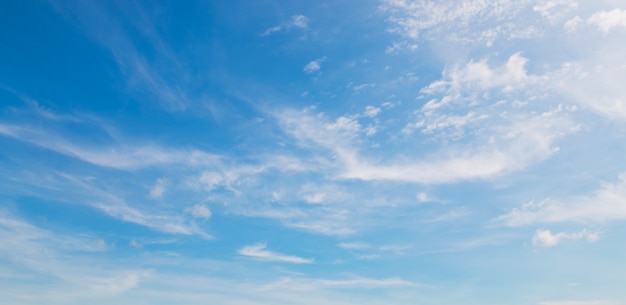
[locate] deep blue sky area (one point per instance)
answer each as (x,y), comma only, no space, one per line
(312,152)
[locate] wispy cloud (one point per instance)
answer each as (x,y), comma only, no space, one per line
(39,253)
(607,203)
(354,245)
(595,82)
(259,251)
(448,20)
(163,82)
(121,156)
(75,189)
(296,22)
(370,283)
(586,302)
(199,211)
(158,189)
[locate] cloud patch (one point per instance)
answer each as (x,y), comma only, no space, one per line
(296,22)
(545,238)
(608,20)
(607,203)
(259,251)
(199,211)
(314,65)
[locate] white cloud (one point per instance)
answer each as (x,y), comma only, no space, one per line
(523,140)
(371,111)
(572,24)
(399,46)
(596,83)
(199,211)
(318,197)
(35,252)
(322,193)
(318,219)
(451,20)
(434,122)
(297,21)
(526,142)
(258,251)
(545,238)
(85,190)
(121,156)
(447,216)
(590,302)
(361,86)
(479,75)
(162,83)
(424,198)
(608,20)
(607,203)
(326,225)
(300,21)
(365,282)
(345,125)
(554,9)
(158,189)
(314,65)
(354,245)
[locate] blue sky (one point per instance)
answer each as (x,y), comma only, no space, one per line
(313,152)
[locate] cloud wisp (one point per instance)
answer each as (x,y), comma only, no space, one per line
(545,238)
(121,156)
(259,251)
(296,22)
(607,203)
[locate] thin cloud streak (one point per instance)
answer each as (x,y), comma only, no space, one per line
(122,156)
(607,203)
(258,251)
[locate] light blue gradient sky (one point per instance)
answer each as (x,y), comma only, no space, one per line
(313,152)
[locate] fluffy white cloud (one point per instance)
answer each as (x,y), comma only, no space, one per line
(481,76)
(259,251)
(608,20)
(545,238)
(607,203)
